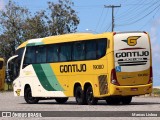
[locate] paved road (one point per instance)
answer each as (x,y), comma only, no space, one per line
(10,103)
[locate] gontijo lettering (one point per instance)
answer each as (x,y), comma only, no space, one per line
(132,54)
(73,68)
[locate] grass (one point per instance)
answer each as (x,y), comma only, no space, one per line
(156,92)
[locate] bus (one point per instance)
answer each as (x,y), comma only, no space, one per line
(113,66)
(2,74)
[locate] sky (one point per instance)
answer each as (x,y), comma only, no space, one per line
(133,15)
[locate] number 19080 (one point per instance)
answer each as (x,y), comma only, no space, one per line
(98,66)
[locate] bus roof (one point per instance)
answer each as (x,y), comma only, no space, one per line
(70,37)
(62,38)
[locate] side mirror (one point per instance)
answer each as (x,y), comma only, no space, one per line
(7,77)
(8,70)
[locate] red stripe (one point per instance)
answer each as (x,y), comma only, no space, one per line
(136,48)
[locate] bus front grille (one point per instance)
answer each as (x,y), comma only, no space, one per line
(103,86)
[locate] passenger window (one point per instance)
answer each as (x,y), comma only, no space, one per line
(52,53)
(30,55)
(40,54)
(91,50)
(65,52)
(78,51)
(101,48)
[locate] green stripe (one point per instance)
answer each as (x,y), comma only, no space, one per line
(42,77)
(51,77)
(30,44)
(39,43)
(34,44)
(47,78)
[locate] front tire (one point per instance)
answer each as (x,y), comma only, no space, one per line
(61,100)
(91,100)
(28,96)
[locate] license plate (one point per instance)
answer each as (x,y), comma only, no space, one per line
(134,89)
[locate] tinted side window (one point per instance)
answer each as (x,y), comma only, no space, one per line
(52,53)
(65,52)
(1,64)
(40,54)
(78,51)
(30,55)
(90,50)
(101,48)
(19,52)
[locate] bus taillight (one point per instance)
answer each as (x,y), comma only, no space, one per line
(150,76)
(145,32)
(114,33)
(114,77)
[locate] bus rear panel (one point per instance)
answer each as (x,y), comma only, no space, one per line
(132,74)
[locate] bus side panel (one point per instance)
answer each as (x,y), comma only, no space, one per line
(30,77)
(81,72)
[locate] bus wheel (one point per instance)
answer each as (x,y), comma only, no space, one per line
(28,96)
(61,100)
(79,95)
(126,100)
(113,100)
(91,100)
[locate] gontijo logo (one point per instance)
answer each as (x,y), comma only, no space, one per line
(18,91)
(132,40)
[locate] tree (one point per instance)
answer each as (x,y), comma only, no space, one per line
(62,19)
(11,25)
(17,24)
(35,27)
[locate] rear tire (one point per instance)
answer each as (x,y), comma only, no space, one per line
(91,100)
(126,100)
(61,100)
(113,100)
(28,96)
(79,96)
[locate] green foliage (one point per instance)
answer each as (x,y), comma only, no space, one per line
(35,27)
(62,18)
(17,24)
(156,91)
(11,25)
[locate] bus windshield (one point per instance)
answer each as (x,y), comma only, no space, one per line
(14,64)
